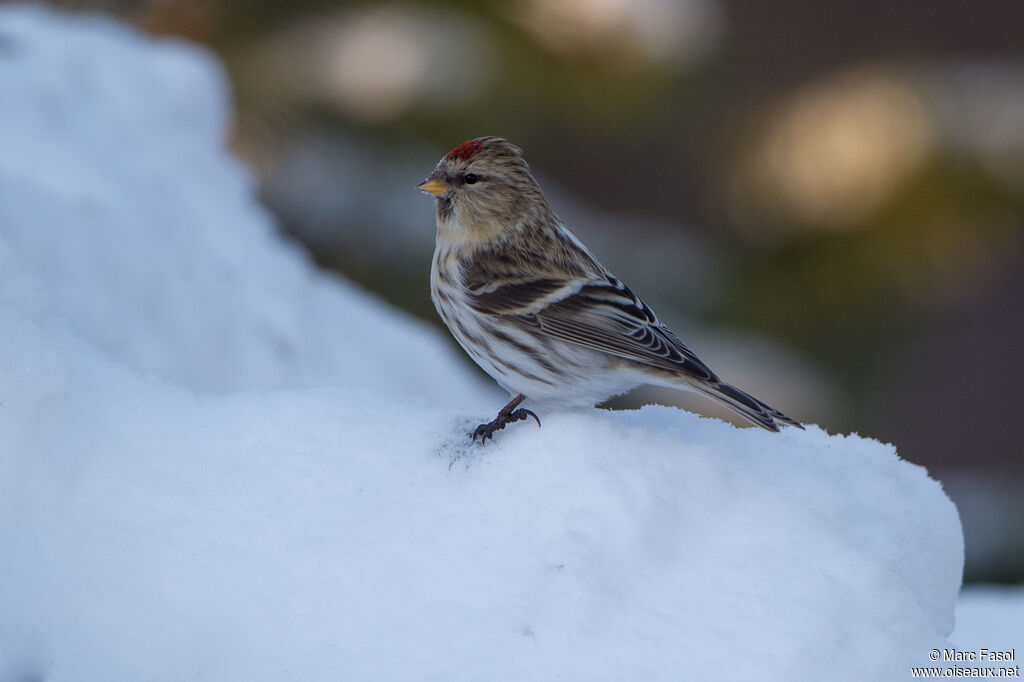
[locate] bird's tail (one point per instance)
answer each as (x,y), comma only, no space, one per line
(762,414)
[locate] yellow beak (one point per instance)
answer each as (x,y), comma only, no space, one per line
(434,185)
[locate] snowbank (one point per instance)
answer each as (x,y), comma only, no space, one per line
(216,463)
(117,193)
(990,617)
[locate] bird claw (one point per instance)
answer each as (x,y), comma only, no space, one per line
(522,413)
(485,431)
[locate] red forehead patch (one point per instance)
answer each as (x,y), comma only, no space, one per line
(465,151)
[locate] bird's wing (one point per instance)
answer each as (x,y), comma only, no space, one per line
(598,313)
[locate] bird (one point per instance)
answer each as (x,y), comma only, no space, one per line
(536,310)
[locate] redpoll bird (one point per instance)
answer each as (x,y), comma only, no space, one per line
(535,309)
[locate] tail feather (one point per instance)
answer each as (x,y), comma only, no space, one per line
(762,414)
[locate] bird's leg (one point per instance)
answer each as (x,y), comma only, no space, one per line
(507,415)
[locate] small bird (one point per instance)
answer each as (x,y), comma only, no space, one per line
(535,309)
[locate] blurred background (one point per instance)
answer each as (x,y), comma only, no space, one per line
(824,199)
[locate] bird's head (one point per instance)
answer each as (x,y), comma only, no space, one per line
(484,189)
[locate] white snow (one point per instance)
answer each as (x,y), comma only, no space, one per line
(990,617)
(218,463)
(118,194)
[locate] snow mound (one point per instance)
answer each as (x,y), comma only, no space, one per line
(155,249)
(158,522)
(990,617)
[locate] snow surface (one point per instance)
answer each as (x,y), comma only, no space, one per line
(990,617)
(117,193)
(218,463)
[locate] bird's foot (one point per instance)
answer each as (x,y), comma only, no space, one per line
(505,417)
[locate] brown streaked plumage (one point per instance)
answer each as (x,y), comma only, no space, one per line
(535,309)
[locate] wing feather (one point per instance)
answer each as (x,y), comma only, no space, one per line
(601,314)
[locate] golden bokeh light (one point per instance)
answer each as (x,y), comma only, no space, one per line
(836,150)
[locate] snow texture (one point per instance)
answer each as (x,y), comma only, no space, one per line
(219,463)
(118,194)
(990,617)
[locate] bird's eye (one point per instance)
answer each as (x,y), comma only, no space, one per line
(471,178)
